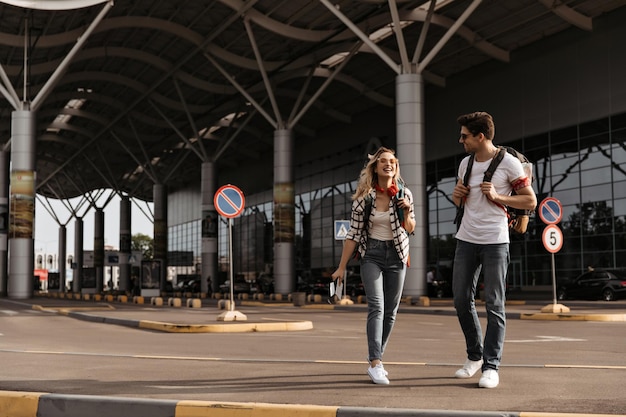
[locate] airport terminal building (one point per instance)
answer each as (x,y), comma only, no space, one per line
(557,93)
(562,104)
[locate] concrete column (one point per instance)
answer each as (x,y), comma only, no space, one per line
(22,205)
(210,220)
(411,150)
(62,255)
(160,230)
(284,212)
(77,282)
(125,244)
(4,222)
(98,249)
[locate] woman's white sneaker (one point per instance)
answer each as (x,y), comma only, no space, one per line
(469,369)
(490,379)
(378,375)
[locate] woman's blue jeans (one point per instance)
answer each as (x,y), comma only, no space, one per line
(382,273)
(494,261)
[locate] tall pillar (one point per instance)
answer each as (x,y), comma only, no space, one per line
(411,150)
(77,280)
(125,244)
(209,230)
(61,259)
(284,212)
(4,221)
(98,249)
(160,230)
(22,205)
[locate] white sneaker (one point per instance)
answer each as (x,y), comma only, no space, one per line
(469,369)
(378,375)
(490,379)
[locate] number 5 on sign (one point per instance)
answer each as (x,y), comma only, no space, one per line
(552,238)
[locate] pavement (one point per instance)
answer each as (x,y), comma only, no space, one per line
(178,317)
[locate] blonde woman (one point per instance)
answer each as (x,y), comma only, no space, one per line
(382,241)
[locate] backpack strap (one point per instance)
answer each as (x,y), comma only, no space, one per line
(494,164)
(468,171)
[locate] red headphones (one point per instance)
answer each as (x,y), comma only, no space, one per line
(391,191)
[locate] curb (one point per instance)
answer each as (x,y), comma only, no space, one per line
(572,317)
(239,327)
(39,404)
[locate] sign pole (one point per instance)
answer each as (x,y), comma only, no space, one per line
(230,263)
(551,212)
(341,228)
(553,281)
(230,202)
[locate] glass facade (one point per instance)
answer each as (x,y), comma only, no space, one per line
(583,166)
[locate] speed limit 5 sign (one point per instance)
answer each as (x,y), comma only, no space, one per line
(552,238)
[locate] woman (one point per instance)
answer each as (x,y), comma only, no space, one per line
(382,242)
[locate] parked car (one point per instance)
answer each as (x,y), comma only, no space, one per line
(315,285)
(605,284)
(240,286)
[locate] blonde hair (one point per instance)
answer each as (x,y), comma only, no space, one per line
(368,177)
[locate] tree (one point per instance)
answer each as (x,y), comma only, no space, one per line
(144,243)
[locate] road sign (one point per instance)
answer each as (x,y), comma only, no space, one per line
(341,229)
(229,201)
(550,210)
(552,238)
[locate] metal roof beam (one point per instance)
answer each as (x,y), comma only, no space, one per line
(358,32)
(568,14)
(192,122)
(263,71)
(446,37)
(325,85)
(51,83)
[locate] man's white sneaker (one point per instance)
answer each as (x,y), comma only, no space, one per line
(490,379)
(378,375)
(469,369)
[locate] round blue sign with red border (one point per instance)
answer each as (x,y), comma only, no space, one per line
(550,210)
(229,201)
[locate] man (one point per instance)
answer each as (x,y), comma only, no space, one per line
(483,243)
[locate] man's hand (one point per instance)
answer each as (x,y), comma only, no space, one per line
(459,193)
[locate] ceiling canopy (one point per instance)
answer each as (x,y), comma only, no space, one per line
(155,88)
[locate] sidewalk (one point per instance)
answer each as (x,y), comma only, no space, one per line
(175,320)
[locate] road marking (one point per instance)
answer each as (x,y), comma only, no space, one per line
(302,361)
(547,339)
(9,312)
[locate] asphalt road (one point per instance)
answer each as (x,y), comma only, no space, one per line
(548,366)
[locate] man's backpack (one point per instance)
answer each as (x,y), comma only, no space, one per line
(518,218)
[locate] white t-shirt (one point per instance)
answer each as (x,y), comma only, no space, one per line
(485,222)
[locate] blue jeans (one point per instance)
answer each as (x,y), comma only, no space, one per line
(382,273)
(494,261)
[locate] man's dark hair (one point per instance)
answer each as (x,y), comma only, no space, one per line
(478,122)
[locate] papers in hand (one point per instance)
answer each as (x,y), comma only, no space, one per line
(335,292)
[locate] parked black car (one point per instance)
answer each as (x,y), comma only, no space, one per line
(605,284)
(240,286)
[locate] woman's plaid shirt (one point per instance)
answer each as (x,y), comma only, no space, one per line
(400,236)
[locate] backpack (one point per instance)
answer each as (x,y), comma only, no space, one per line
(518,218)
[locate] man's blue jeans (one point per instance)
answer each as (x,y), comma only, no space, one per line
(382,273)
(494,261)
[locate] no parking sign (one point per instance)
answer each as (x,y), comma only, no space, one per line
(229,201)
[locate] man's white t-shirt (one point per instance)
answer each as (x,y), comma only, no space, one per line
(485,222)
